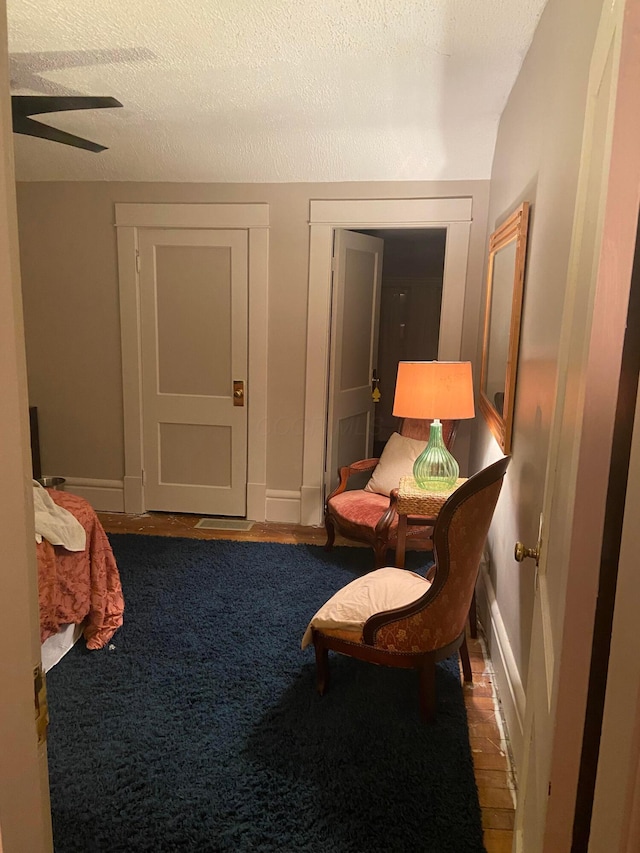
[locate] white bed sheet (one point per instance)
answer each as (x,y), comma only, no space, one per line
(55,648)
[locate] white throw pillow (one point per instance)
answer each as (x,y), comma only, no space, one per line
(375,592)
(396,461)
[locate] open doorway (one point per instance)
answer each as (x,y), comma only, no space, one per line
(410,309)
(326,218)
(386,304)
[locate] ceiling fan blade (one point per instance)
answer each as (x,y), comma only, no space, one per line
(30,127)
(26,105)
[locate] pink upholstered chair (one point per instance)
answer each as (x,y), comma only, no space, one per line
(397,618)
(370,517)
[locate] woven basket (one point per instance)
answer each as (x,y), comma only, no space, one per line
(413,500)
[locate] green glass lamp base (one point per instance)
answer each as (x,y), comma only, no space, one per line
(435,470)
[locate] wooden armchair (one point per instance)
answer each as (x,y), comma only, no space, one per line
(370,517)
(398,618)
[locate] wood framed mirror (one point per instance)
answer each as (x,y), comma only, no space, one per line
(503,310)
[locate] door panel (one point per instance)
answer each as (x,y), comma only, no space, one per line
(575,485)
(350,433)
(357,278)
(208,462)
(193,308)
(194,333)
(358,301)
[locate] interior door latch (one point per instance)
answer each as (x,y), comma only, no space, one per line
(375,390)
(238,392)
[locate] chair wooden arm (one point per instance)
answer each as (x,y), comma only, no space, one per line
(346,471)
(386,519)
(387,617)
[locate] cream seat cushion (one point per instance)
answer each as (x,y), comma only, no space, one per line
(374,592)
(396,461)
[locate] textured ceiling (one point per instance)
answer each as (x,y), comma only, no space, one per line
(271,90)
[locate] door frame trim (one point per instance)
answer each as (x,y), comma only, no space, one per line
(455,215)
(254,218)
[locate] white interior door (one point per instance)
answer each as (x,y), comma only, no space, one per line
(25,820)
(577,472)
(194,311)
(615,823)
(357,280)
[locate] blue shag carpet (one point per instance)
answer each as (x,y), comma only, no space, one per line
(199,728)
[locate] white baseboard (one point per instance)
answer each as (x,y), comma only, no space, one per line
(133,495)
(311,512)
(508,681)
(283,506)
(256,501)
(109,496)
(103,495)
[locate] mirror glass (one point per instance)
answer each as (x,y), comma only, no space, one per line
(500,312)
(505,278)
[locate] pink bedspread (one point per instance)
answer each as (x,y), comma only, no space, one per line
(78,585)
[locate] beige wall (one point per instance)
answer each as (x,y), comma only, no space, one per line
(536,160)
(69,271)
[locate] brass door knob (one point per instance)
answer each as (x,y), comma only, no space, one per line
(238,392)
(521,553)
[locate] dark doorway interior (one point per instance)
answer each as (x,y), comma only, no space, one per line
(412,274)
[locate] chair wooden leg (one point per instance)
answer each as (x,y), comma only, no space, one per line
(380,550)
(331,533)
(322,666)
(473,618)
(466,663)
(428,691)
(401,541)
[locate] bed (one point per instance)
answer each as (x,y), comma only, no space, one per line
(79,591)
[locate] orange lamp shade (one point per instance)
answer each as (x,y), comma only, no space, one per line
(434,389)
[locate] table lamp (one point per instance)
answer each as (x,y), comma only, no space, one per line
(431,390)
